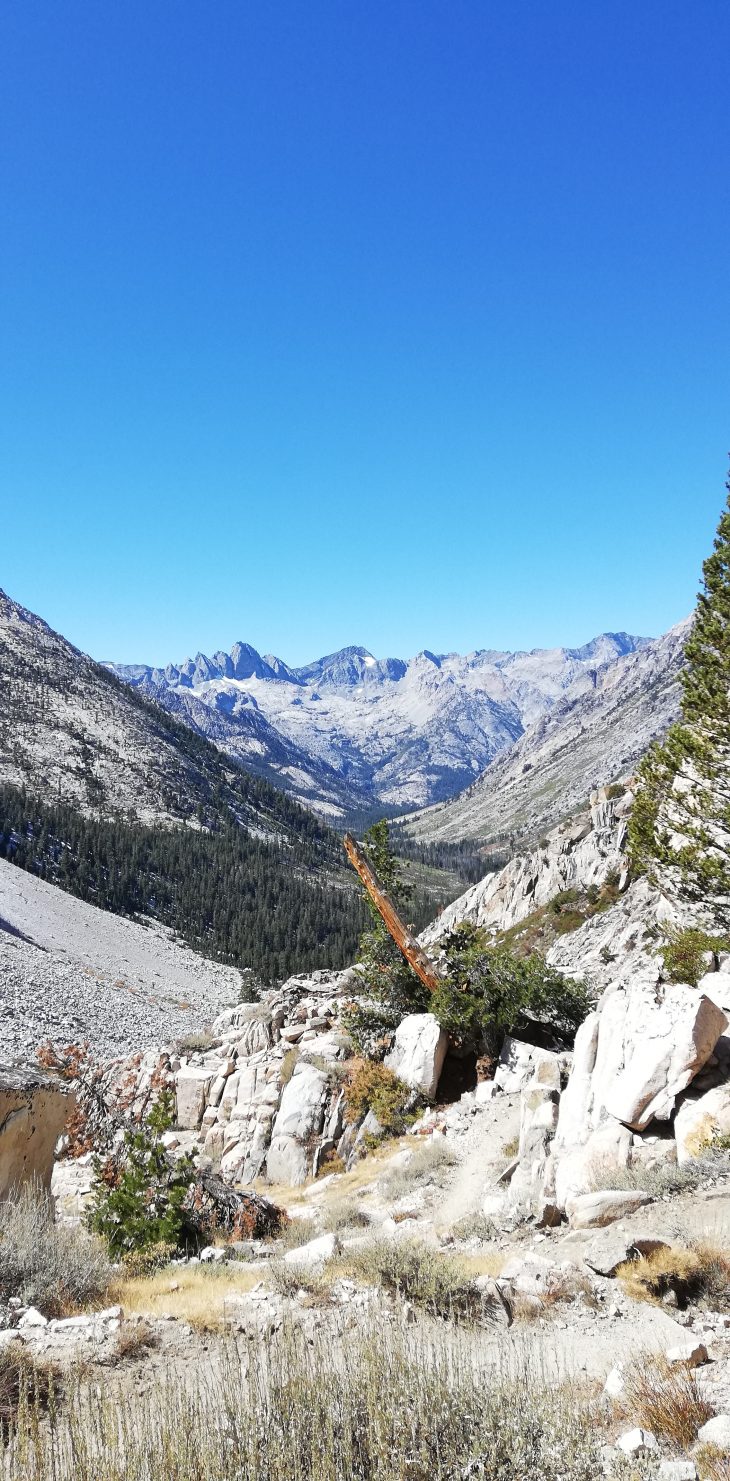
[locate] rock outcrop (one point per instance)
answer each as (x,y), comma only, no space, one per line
(34,1109)
(418,1053)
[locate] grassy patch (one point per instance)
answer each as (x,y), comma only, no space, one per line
(566,912)
(134,1341)
(664,1177)
(713,1464)
(441,1284)
(387,1415)
(25,1381)
(289,1064)
(474,1226)
(296,1233)
(195,1043)
(194,1293)
(344,1213)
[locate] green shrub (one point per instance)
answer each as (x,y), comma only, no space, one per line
(616,789)
(372,1087)
(145,1262)
(563,897)
(490,992)
(685,951)
(55,1267)
(140,1192)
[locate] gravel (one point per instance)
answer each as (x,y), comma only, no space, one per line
(70,972)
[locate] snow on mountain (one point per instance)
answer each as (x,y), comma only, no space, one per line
(367,731)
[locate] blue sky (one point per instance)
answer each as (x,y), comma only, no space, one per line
(394,323)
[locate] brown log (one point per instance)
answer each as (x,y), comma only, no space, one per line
(403,937)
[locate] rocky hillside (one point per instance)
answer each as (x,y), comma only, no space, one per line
(593,732)
(90,769)
(350,731)
(73,973)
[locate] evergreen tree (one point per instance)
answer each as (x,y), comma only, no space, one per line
(681,818)
(140,1197)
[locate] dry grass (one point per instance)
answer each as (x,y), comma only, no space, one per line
(366,1171)
(664,1398)
(379,1412)
(487,1262)
(57,1267)
(22,1375)
(663,1178)
(344,1213)
(713,1464)
(134,1342)
(442,1285)
(199,1297)
(296,1233)
(697,1274)
(475,1226)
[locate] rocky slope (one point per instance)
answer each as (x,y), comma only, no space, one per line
(376,731)
(592,733)
(70,731)
(71,972)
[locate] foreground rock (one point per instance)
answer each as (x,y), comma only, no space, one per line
(419,1051)
(34,1109)
(594,1210)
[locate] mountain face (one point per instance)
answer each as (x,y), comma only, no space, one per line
(350,732)
(594,733)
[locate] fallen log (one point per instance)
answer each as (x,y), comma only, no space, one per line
(403,937)
(214,1207)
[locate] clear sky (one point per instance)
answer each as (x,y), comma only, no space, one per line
(396,322)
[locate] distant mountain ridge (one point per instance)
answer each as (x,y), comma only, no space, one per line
(590,737)
(349,731)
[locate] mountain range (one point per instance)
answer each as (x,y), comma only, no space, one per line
(350,733)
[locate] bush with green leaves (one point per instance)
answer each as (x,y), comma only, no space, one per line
(370,1086)
(685,954)
(489,991)
(141,1192)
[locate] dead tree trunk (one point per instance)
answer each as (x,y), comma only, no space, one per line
(403,937)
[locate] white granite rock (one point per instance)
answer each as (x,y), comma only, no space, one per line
(419,1051)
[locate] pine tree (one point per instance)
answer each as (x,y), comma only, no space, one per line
(681,818)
